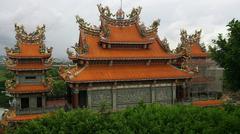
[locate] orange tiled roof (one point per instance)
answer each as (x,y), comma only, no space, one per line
(125,34)
(97,73)
(23,88)
(29,50)
(196,51)
(97,52)
(18,118)
(207,103)
(30,66)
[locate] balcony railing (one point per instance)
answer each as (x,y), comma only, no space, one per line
(37,110)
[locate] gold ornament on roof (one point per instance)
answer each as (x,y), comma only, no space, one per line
(108,17)
(165,45)
(10,84)
(135,12)
(87,27)
(70,53)
(36,37)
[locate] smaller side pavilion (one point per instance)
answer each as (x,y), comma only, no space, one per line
(194,58)
(29,60)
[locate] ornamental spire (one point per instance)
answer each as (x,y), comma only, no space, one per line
(120,13)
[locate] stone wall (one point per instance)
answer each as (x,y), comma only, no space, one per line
(100,97)
(120,97)
(132,96)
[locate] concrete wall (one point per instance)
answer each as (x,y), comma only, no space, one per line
(22,79)
(32,102)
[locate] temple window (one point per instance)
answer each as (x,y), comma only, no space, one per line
(30,77)
(27,61)
(25,102)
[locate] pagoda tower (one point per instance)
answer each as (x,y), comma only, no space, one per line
(193,57)
(120,63)
(29,60)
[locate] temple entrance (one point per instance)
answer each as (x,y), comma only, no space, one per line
(24,102)
(68,96)
(82,98)
(179,93)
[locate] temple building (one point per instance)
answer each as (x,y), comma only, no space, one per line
(206,82)
(121,63)
(29,60)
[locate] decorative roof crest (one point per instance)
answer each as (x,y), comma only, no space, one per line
(145,31)
(37,36)
(107,16)
(87,27)
(135,12)
(188,40)
(165,45)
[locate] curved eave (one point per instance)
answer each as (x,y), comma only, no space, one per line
(20,118)
(177,78)
(124,58)
(11,91)
(28,69)
(208,103)
(29,90)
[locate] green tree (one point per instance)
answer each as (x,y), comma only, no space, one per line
(59,88)
(4,75)
(226,53)
(142,119)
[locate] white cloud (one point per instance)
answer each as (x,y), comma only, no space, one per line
(62,31)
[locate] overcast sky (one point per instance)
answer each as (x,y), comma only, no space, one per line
(62,30)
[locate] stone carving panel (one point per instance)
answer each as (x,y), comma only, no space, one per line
(133,96)
(100,97)
(163,94)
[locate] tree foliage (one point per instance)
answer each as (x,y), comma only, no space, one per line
(142,119)
(4,75)
(59,86)
(226,53)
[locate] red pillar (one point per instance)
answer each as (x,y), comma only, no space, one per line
(75,98)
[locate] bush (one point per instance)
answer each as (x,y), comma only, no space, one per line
(142,119)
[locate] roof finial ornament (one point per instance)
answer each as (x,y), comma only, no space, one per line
(120,13)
